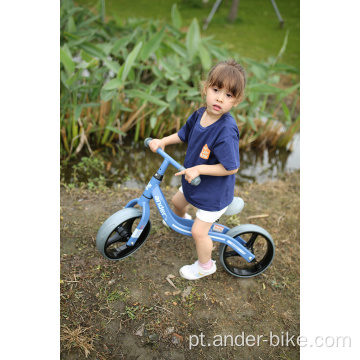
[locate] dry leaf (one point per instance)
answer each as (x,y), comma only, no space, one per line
(171,283)
(186,293)
(140,330)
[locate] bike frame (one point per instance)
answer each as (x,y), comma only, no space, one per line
(217,231)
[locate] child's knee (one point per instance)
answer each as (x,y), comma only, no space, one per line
(179,201)
(173,200)
(196,233)
(199,232)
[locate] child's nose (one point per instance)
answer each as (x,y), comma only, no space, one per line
(220,96)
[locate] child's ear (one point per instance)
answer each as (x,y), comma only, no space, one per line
(238,101)
(203,92)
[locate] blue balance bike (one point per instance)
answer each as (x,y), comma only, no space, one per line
(245,250)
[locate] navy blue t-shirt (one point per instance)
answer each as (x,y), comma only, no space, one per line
(214,144)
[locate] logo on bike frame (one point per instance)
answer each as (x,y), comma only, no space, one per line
(160,206)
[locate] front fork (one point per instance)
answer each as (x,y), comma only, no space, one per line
(143,202)
(144,219)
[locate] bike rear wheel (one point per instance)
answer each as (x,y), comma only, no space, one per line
(258,241)
(115,232)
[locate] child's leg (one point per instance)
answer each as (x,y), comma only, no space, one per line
(204,245)
(204,266)
(180,204)
(203,242)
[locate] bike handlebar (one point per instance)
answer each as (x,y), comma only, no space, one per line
(194,182)
(147,141)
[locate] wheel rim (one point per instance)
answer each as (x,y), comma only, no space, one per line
(259,245)
(115,246)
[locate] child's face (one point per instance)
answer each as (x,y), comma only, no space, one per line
(219,101)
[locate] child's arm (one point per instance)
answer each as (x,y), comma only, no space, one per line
(161,143)
(212,170)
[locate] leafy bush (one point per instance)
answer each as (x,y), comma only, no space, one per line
(88,173)
(141,77)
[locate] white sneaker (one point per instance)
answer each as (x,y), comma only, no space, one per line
(186,216)
(194,271)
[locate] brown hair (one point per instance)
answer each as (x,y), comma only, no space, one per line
(228,74)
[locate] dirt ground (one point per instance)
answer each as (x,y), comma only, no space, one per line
(129,310)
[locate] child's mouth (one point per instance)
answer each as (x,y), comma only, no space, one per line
(216,107)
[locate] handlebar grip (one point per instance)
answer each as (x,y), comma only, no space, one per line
(194,182)
(147,141)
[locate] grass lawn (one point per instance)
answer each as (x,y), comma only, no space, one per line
(256,33)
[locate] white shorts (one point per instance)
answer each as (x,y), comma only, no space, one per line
(208,216)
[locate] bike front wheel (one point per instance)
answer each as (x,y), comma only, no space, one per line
(258,241)
(115,232)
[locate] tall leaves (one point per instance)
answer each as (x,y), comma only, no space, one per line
(67,62)
(152,45)
(130,60)
(176,17)
(193,39)
(140,77)
(146,97)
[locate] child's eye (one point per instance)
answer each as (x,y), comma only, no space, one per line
(229,95)
(216,89)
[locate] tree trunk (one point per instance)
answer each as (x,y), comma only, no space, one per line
(233,10)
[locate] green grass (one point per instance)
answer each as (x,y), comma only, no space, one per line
(256,32)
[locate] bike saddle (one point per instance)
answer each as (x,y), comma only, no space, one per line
(235,207)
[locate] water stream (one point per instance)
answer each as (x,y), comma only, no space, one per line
(136,165)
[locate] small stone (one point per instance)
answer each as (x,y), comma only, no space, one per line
(175,339)
(106,349)
(153,337)
(169,331)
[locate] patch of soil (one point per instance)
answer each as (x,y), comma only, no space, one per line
(129,310)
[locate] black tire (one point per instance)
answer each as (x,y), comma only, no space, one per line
(258,241)
(114,233)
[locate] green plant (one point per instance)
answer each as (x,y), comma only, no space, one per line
(134,312)
(141,77)
(113,296)
(88,172)
(105,66)
(131,312)
(262,123)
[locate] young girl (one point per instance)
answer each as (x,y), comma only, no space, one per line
(213,153)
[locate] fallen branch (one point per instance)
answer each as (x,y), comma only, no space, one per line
(164,309)
(257,216)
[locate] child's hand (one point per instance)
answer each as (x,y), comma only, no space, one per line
(155,144)
(190,173)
